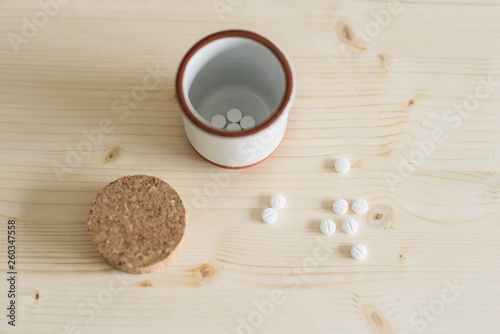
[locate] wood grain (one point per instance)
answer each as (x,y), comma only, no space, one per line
(373,104)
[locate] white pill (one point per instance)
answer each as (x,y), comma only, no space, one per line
(234,115)
(277,202)
(328,227)
(233,127)
(218,121)
(359,252)
(360,206)
(340,206)
(247,122)
(269,216)
(349,226)
(342,165)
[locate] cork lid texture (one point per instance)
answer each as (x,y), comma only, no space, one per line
(137,222)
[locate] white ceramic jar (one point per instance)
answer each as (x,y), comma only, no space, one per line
(235,69)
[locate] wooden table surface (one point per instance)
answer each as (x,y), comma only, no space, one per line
(409,92)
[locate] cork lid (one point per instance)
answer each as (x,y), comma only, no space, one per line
(137,222)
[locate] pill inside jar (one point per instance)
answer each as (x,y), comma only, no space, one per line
(235,77)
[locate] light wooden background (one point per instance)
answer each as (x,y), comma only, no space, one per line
(442,223)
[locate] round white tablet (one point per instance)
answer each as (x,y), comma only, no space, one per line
(359,252)
(247,122)
(349,226)
(342,165)
(218,121)
(327,227)
(234,115)
(269,216)
(233,127)
(277,202)
(360,206)
(340,206)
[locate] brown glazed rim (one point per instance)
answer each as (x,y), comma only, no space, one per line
(225,34)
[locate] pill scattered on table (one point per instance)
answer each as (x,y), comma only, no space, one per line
(218,121)
(277,202)
(247,122)
(342,165)
(233,127)
(360,206)
(327,227)
(349,225)
(234,115)
(359,252)
(340,206)
(269,216)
